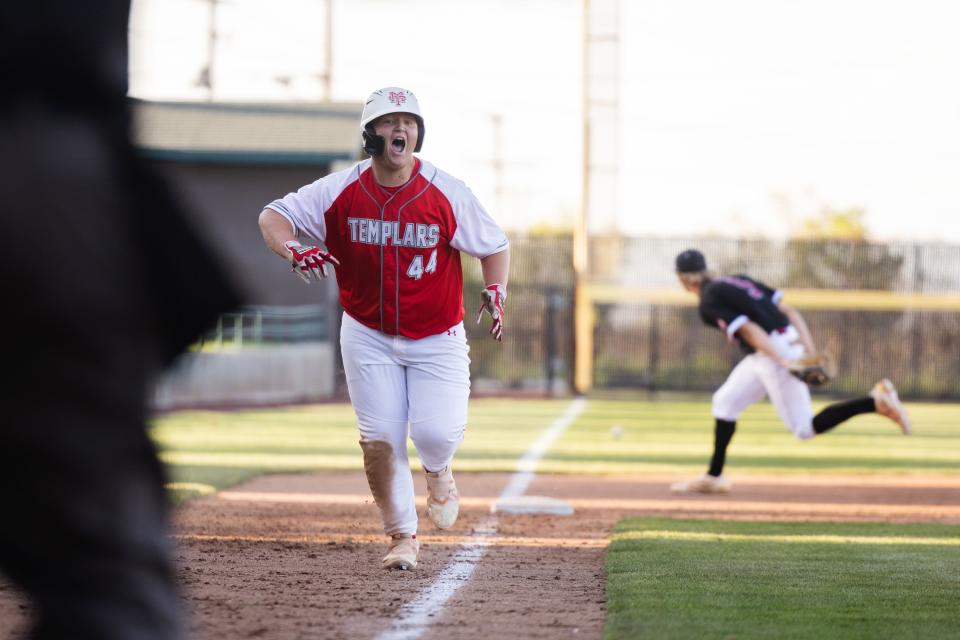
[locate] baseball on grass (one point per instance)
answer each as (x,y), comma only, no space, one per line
(616,431)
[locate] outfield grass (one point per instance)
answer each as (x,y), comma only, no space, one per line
(677,436)
(733,579)
(206,450)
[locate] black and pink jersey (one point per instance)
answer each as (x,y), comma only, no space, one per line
(728,302)
(399,248)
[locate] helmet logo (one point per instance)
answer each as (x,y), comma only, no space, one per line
(397,98)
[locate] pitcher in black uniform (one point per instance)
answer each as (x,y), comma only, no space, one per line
(772,334)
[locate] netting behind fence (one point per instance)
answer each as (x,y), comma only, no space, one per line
(806,264)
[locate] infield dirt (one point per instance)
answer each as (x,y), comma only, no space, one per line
(298,556)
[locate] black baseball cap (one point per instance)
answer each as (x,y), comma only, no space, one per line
(691,261)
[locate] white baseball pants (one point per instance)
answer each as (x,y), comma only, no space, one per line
(400,386)
(757,375)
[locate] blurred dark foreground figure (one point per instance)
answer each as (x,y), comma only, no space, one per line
(103,284)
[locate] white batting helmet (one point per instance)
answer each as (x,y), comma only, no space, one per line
(380,103)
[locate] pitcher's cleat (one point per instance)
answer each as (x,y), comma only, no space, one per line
(443,500)
(702,484)
(403,553)
(888,404)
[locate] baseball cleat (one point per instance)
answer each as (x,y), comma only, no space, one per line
(888,404)
(403,553)
(443,500)
(702,484)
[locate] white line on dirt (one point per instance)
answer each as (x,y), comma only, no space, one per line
(526,468)
(417,615)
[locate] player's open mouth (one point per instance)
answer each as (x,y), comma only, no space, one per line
(399,144)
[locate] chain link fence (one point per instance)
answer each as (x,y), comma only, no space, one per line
(640,344)
(665,346)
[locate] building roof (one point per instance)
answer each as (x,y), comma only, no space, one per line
(243,133)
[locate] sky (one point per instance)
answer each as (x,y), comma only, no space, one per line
(736,118)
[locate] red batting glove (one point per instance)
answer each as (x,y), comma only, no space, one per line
(307,261)
(492,298)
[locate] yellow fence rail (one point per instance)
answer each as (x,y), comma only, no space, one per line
(831,299)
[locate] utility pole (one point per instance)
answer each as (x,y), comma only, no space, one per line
(205,79)
(328,57)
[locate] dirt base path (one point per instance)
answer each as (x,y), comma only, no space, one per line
(297,556)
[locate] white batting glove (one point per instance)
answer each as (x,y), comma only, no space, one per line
(492,298)
(308,261)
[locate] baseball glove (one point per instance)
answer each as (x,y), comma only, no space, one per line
(816,370)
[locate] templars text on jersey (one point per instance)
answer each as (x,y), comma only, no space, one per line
(373,231)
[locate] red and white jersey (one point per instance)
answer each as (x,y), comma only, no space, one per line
(399,248)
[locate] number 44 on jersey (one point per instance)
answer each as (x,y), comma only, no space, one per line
(416,268)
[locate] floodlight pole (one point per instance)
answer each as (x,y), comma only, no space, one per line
(599,173)
(583,308)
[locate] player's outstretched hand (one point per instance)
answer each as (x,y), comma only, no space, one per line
(308,261)
(492,298)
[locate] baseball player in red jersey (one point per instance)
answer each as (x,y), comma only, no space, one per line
(394,227)
(774,336)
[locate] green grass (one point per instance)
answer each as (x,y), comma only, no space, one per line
(676,436)
(728,579)
(208,450)
(666,578)
(205,450)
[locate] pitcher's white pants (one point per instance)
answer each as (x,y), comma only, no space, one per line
(400,386)
(757,375)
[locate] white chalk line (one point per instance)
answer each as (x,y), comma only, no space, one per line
(415,617)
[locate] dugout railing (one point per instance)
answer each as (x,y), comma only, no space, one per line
(257,325)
